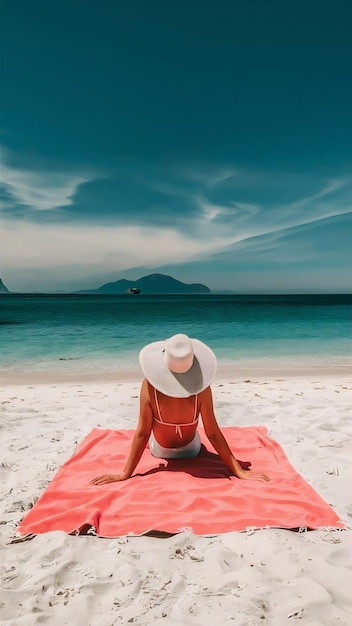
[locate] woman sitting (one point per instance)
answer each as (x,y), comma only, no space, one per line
(175,392)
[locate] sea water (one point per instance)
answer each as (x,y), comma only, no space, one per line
(90,333)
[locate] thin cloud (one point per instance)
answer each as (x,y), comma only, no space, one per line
(247,221)
(328,189)
(41,192)
(38,190)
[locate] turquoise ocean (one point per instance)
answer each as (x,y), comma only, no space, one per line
(67,334)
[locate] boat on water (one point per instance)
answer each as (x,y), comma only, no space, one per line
(133,290)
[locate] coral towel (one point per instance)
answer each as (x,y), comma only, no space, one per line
(170,495)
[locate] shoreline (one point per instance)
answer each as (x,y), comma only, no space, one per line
(271,369)
(225,375)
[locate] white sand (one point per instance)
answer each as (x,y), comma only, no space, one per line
(267,576)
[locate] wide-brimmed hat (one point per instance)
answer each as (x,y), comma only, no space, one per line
(179,366)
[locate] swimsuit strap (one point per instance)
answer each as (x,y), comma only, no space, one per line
(157,405)
(195,408)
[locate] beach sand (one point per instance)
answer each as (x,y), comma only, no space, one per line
(267,576)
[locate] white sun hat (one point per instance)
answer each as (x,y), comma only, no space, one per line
(179,367)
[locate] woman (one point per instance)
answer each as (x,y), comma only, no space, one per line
(175,392)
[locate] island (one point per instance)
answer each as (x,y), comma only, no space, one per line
(152,284)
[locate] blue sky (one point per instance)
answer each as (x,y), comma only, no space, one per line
(209,140)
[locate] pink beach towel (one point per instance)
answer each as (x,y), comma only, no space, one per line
(170,495)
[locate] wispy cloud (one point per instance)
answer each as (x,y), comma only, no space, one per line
(247,221)
(38,190)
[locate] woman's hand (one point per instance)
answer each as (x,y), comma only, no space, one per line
(108,478)
(249,475)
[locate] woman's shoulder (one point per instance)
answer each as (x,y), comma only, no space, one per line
(146,388)
(206,394)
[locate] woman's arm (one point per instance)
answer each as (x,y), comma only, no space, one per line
(218,440)
(139,441)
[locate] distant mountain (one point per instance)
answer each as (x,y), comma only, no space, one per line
(151,284)
(3,288)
